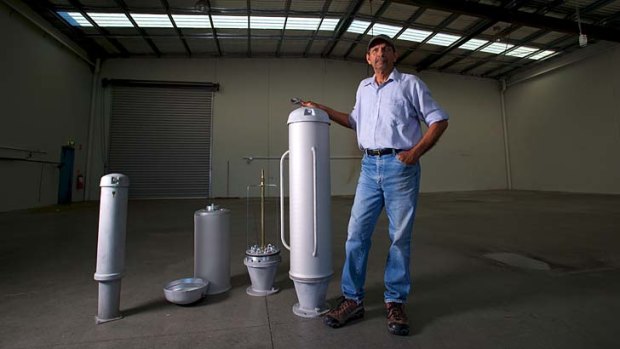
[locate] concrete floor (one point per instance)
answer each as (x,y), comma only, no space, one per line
(461,299)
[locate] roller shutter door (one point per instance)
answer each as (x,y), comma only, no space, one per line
(160,136)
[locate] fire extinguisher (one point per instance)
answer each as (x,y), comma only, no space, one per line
(79,181)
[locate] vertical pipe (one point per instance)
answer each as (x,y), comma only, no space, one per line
(505,129)
(91,130)
(262,209)
(111,245)
(228,178)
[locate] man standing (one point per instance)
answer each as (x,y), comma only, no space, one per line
(388,109)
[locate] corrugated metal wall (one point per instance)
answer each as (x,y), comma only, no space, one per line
(160,136)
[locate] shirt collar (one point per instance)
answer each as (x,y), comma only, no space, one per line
(394,75)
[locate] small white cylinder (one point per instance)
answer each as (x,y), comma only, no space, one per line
(212,248)
(111,245)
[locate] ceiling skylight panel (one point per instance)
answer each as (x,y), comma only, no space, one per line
(497,47)
(75,19)
(230,22)
(414,35)
(192,21)
(522,51)
(329,24)
(110,19)
(266,22)
(443,39)
(384,29)
(358,27)
(300,23)
(473,44)
(542,55)
(151,21)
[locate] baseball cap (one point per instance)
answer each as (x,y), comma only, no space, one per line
(381,37)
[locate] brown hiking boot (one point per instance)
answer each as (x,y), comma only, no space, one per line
(397,319)
(346,311)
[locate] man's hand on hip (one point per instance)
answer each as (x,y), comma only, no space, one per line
(408,157)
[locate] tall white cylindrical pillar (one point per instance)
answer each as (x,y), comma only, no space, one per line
(212,247)
(111,245)
(310,209)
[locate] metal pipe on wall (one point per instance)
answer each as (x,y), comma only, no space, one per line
(505,129)
(94,94)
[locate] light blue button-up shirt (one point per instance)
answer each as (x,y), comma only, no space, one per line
(389,115)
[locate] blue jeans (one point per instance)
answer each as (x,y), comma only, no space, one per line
(386,182)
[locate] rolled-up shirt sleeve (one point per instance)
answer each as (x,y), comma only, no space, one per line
(428,110)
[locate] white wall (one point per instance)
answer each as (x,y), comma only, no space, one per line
(45,100)
(251,109)
(564,128)
(470,155)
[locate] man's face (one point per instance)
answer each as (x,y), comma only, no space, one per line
(381,57)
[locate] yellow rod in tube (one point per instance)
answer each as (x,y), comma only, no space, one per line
(262,209)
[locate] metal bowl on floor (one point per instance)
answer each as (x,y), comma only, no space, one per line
(186,291)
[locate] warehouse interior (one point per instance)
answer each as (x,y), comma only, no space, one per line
(516,242)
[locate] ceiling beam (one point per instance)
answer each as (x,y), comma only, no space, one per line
(150,42)
(326,6)
(287,8)
(80,8)
(517,17)
(436,30)
(507,69)
(179,33)
(476,30)
(414,17)
(39,13)
(374,19)
(213,30)
(591,7)
(523,62)
(342,27)
(502,34)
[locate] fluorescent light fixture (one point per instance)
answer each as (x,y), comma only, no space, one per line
(389,30)
(75,19)
(110,19)
(473,44)
(521,51)
(192,21)
(358,27)
(230,22)
(443,39)
(329,24)
(542,55)
(414,35)
(307,23)
(267,22)
(497,47)
(300,23)
(145,20)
